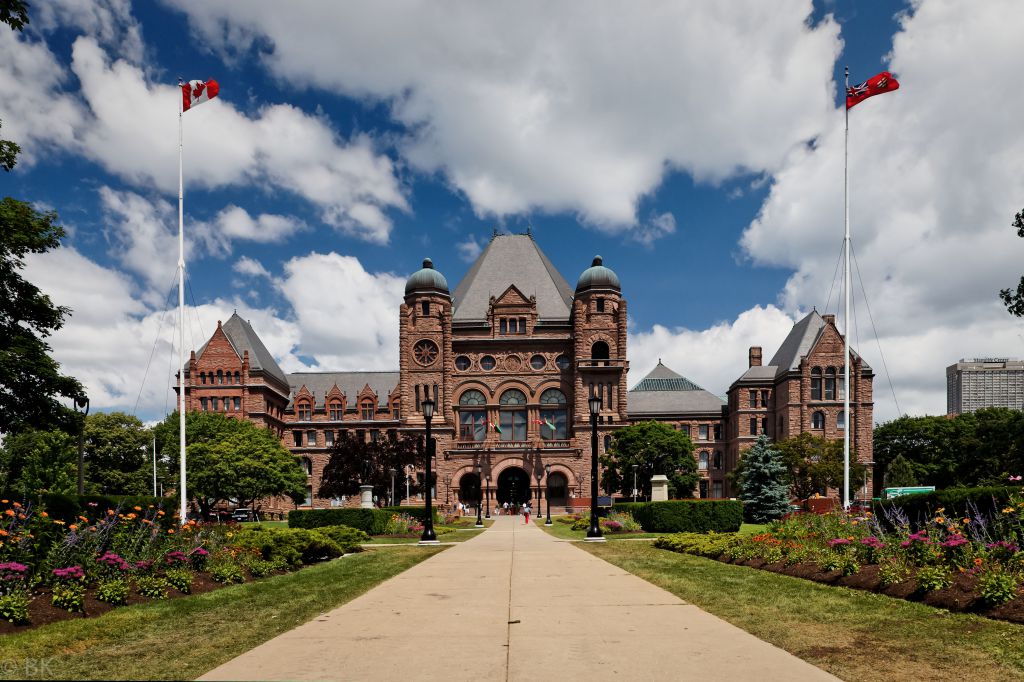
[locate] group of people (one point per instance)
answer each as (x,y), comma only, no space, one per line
(506,508)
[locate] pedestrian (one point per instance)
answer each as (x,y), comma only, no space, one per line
(526,513)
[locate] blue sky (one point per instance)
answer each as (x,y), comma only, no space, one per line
(698,151)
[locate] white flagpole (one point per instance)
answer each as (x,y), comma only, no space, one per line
(183,487)
(847,388)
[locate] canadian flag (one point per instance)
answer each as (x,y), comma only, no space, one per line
(197,92)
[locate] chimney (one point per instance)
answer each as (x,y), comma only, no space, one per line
(755,356)
(829,319)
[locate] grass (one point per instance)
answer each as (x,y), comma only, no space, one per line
(184,638)
(852,634)
(264,524)
(458,535)
(563,531)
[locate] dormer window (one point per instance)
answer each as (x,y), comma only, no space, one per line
(366,410)
(305,412)
(335,411)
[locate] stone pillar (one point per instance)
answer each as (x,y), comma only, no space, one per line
(366,497)
(659,488)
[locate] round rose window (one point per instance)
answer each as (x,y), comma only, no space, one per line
(425,352)
(487,363)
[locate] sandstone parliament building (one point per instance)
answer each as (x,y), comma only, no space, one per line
(510,357)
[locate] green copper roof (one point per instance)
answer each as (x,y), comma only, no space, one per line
(597,276)
(427,279)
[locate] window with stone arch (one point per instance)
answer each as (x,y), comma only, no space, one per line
(305,411)
(816,383)
(238,379)
(472,416)
(220,377)
(702,461)
(202,377)
(818,420)
(512,415)
(307,465)
(841,419)
(830,383)
(600,352)
(554,416)
(335,411)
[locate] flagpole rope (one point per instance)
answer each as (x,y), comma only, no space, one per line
(156,340)
(874,329)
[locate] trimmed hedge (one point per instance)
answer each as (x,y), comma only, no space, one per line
(687,516)
(372,521)
(919,509)
(68,508)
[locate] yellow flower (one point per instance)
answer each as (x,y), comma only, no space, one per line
(58,522)
(939,519)
(230,535)
(1008,510)
(854,522)
(940,510)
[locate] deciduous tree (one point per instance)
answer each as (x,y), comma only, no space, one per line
(655,448)
(354,463)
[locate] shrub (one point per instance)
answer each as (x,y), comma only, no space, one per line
(370,521)
(582,523)
(198,557)
(892,571)
(224,571)
(258,567)
(957,502)
(997,587)
(839,560)
(14,606)
(151,587)
(113,591)
(69,596)
(293,545)
(710,545)
(931,578)
(686,516)
(350,539)
(180,579)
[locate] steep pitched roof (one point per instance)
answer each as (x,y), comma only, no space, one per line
(349,383)
(798,343)
(663,391)
(243,338)
(512,259)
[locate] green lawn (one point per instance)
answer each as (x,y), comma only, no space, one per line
(563,531)
(264,524)
(457,535)
(184,638)
(853,634)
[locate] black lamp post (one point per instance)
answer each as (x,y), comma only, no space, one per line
(429,537)
(479,502)
(594,532)
(488,495)
(634,482)
(547,492)
(393,472)
(82,405)
(540,505)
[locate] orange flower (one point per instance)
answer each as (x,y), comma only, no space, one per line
(171,531)
(132,515)
(83,519)
(44,515)
(137,508)
(160,513)
(150,506)
(977,561)
(3,533)
(17,505)
(73,527)
(9,512)
(4,501)
(110,512)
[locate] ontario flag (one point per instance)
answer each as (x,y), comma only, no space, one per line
(876,85)
(196,92)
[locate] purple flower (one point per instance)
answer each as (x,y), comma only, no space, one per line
(144,565)
(112,560)
(872,542)
(955,540)
(69,573)
(175,557)
(836,542)
(199,551)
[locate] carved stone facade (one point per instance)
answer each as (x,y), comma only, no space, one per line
(510,359)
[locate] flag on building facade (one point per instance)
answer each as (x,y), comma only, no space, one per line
(194,93)
(876,85)
(495,427)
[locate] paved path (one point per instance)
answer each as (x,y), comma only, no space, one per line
(516,604)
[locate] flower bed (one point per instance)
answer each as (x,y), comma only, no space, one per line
(51,569)
(970,563)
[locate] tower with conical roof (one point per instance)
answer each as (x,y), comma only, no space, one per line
(425,335)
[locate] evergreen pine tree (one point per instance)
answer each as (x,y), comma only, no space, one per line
(764,486)
(900,473)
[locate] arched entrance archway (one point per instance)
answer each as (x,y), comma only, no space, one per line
(469,488)
(558,489)
(513,486)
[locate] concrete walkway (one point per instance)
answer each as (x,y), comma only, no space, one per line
(516,604)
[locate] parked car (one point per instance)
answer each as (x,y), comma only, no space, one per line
(242,514)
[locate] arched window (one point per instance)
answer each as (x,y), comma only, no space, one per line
(841,380)
(830,383)
(702,461)
(202,377)
(816,383)
(305,411)
(607,443)
(553,415)
(818,420)
(718,459)
(336,411)
(472,415)
(599,351)
(841,420)
(512,415)
(307,465)
(220,377)
(238,377)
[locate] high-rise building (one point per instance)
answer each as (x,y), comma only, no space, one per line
(984,382)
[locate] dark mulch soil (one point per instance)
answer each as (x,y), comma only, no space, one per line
(42,611)
(962,595)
